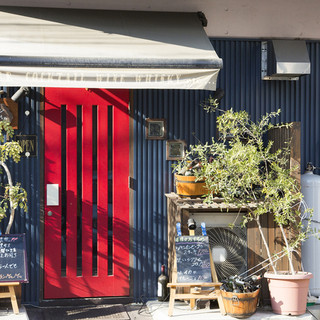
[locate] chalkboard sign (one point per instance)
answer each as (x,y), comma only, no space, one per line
(13,259)
(193,259)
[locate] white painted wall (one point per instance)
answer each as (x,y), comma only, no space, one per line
(226,18)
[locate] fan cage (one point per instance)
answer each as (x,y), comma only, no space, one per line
(230,246)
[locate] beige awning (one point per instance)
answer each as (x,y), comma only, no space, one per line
(105,49)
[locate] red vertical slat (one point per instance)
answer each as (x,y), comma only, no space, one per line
(71,191)
(121,236)
(102,190)
(52,229)
(87,191)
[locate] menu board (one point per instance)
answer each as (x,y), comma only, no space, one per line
(13,259)
(193,259)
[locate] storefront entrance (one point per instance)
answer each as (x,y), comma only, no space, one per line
(86,218)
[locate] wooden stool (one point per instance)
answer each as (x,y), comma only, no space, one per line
(10,294)
(195,292)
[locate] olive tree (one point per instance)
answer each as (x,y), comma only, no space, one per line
(241,168)
(12,195)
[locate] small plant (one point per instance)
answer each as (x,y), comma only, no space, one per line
(241,168)
(12,195)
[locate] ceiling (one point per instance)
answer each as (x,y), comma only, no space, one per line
(286,19)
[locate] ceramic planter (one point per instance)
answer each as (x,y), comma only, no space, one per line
(288,292)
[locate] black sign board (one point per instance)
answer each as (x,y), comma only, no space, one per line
(13,258)
(28,143)
(193,259)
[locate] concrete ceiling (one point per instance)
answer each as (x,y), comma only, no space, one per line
(286,19)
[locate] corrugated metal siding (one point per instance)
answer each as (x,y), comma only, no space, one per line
(186,120)
(244,90)
(27,172)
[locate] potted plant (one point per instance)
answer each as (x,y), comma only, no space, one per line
(12,195)
(186,181)
(244,171)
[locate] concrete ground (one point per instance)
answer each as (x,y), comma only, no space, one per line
(159,311)
(134,312)
(156,310)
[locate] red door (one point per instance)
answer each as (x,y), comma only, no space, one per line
(86,240)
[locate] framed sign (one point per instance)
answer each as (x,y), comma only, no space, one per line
(175,149)
(156,129)
(9,111)
(28,143)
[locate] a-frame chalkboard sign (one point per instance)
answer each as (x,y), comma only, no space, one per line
(13,258)
(13,265)
(193,259)
(194,270)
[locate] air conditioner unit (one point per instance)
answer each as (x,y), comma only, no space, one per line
(284,59)
(229,246)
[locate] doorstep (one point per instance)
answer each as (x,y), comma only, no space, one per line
(159,311)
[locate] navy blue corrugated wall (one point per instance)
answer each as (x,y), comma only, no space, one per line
(27,172)
(241,80)
(244,90)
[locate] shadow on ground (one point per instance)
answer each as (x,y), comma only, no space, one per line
(118,311)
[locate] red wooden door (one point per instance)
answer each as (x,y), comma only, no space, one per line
(86,233)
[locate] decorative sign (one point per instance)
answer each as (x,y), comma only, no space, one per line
(156,129)
(193,259)
(9,111)
(28,144)
(13,258)
(5,113)
(175,149)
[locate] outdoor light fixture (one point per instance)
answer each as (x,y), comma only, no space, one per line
(19,93)
(218,95)
(192,224)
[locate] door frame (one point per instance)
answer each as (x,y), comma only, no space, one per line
(87,301)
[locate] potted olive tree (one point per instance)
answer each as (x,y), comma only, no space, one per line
(12,195)
(240,166)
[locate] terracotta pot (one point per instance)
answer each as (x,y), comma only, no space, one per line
(187,186)
(288,292)
(240,305)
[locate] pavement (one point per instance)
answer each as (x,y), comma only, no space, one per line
(182,311)
(132,312)
(156,310)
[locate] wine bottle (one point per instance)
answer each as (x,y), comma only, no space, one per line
(162,285)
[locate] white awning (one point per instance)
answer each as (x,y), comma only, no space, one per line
(105,49)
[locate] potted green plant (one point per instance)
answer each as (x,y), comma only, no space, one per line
(186,181)
(246,173)
(12,195)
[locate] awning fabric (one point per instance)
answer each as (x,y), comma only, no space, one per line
(105,49)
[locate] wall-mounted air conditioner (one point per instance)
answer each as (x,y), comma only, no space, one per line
(284,59)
